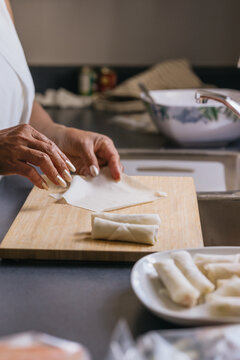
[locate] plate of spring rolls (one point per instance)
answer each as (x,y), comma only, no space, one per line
(198,286)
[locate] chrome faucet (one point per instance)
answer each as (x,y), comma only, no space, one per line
(202,97)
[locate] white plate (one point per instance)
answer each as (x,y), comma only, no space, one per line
(147,288)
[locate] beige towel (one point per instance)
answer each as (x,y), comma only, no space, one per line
(172,74)
(64,99)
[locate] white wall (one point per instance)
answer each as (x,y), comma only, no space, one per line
(130,32)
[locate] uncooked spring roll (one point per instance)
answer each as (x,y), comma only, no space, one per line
(111,230)
(179,288)
(202,259)
(185,263)
(142,219)
(218,271)
(214,258)
(227,287)
(224,305)
(226,299)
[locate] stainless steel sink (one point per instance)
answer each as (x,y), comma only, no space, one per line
(219,210)
(220,220)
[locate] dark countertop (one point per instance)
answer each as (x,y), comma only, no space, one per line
(91,120)
(82,301)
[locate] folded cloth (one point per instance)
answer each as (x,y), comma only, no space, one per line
(172,74)
(141,122)
(142,219)
(64,99)
(112,230)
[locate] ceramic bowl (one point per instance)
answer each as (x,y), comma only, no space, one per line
(177,115)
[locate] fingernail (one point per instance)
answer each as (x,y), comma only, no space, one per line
(67,176)
(61,181)
(44,186)
(94,170)
(70,166)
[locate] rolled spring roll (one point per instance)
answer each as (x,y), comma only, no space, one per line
(224,305)
(226,299)
(142,219)
(179,288)
(111,230)
(202,259)
(227,287)
(185,263)
(218,271)
(214,258)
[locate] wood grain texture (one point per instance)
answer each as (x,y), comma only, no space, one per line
(46,229)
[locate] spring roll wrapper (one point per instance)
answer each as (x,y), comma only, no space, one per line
(141,219)
(103,193)
(185,263)
(179,288)
(111,230)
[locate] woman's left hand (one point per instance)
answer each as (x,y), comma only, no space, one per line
(86,149)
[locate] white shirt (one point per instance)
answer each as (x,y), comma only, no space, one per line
(11,96)
(16,85)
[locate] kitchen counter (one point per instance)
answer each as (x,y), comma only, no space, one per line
(91,120)
(83,301)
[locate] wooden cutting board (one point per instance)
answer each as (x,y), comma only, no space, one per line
(46,229)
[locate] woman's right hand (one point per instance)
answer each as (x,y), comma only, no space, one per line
(22,146)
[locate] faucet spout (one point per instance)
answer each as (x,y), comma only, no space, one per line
(202,97)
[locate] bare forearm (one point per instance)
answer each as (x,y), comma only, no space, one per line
(43,123)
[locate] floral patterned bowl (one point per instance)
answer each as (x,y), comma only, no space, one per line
(177,115)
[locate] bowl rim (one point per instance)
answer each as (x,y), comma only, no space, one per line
(145,99)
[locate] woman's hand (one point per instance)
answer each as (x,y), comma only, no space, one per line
(22,146)
(87,149)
